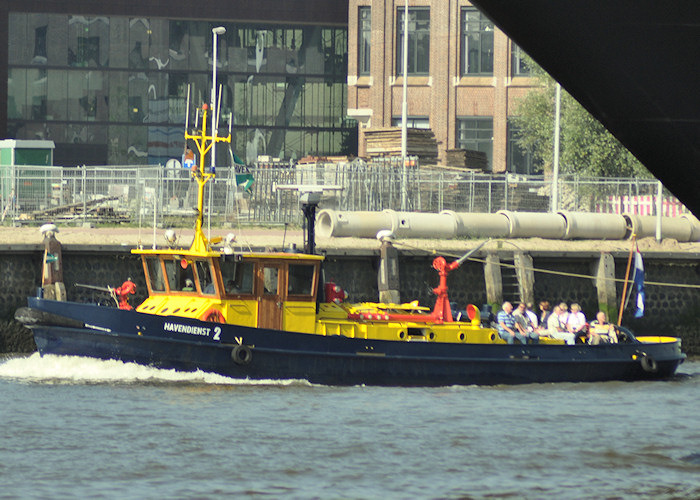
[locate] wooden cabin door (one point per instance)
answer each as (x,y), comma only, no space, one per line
(270,299)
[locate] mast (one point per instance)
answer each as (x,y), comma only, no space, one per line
(204,143)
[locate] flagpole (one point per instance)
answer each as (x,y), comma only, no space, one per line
(627,275)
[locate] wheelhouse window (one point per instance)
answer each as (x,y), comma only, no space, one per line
(477,44)
(418,41)
(301,279)
(270,280)
(364,42)
(155,274)
(237,276)
(204,276)
(180,275)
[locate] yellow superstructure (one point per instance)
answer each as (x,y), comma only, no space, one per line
(280,291)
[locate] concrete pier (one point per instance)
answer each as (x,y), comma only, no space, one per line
(587,272)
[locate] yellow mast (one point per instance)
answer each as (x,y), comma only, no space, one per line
(204,143)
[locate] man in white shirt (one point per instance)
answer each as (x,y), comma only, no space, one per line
(555,328)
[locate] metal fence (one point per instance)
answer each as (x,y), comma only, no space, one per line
(167,196)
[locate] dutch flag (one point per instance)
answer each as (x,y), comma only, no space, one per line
(639,282)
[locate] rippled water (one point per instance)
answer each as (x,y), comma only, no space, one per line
(73,427)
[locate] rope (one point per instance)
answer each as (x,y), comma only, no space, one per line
(547,271)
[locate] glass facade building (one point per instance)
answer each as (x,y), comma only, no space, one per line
(112,89)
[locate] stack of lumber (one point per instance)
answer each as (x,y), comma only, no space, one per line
(91,209)
(466,158)
(310,159)
(387,142)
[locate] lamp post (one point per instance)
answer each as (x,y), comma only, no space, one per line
(404,105)
(555,159)
(219,30)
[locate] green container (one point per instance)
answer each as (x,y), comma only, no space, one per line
(32,185)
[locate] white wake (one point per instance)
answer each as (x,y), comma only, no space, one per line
(51,369)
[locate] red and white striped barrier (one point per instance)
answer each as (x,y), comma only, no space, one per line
(641,205)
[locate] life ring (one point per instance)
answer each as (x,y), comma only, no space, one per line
(242,355)
(214,316)
(648,363)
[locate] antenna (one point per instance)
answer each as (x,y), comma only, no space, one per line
(230,121)
(187,109)
(196,119)
(218,107)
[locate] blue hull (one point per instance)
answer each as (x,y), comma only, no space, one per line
(241,352)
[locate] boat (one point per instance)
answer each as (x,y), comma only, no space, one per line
(270,315)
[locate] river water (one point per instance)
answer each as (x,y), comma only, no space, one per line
(75,427)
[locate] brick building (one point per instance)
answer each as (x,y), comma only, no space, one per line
(464,76)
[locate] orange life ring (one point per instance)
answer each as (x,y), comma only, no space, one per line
(214,316)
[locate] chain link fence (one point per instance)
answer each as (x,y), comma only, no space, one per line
(269,192)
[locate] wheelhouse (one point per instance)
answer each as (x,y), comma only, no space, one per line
(275,291)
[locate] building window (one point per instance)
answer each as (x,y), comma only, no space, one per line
(364,43)
(418,41)
(40,45)
(88,41)
(476,134)
(518,63)
(422,122)
(477,44)
(518,161)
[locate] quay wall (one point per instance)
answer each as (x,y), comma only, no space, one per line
(669,310)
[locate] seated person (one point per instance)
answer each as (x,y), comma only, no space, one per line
(524,324)
(575,319)
(231,287)
(556,329)
(576,322)
(532,315)
(488,318)
(506,325)
(601,331)
(546,311)
(189,286)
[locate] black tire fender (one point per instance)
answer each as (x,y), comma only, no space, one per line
(242,355)
(648,363)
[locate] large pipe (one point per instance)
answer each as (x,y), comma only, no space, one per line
(504,224)
(477,225)
(422,225)
(535,225)
(679,228)
(694,225)
(357,224)
(592,226)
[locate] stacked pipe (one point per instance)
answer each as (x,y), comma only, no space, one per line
(504,224)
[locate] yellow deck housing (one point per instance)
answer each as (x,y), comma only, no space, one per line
(279,291)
